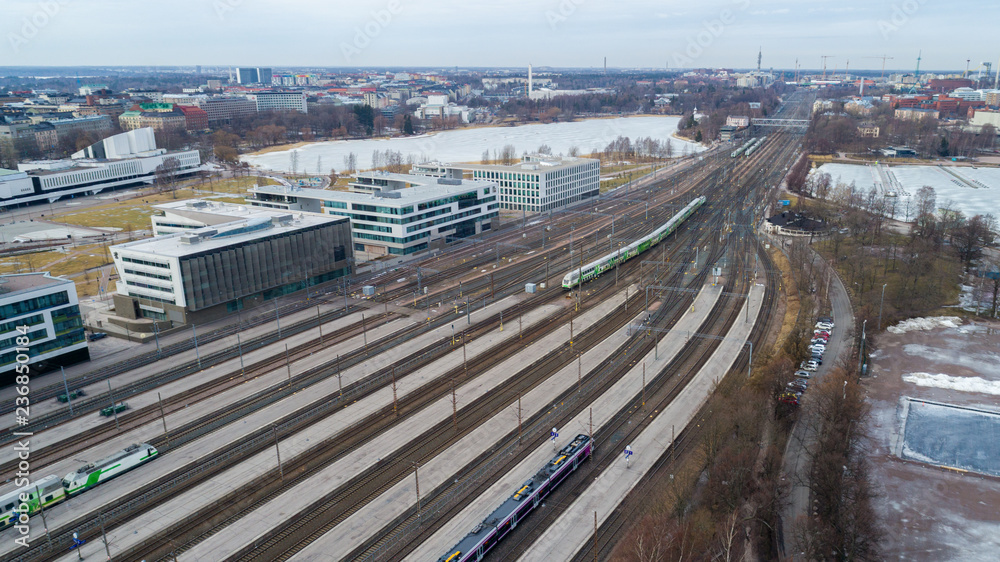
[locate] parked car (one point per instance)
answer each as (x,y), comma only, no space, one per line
(789,398)
(826,319)
(803,374)
(811,366)
(824,326)
(97,336)
(799,384)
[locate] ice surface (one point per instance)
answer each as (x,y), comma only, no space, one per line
(925,324)
(965,384)
(467,145)
(973,191)
(956,437)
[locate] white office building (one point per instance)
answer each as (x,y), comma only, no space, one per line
(45,309)
(396,214)
(538,183)
(123,160)
(281,101)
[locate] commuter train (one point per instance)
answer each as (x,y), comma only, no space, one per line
(752,149)
(594,269)
(52,490)
(514,509)
(739,151)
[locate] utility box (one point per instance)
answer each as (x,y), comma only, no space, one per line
(530,288)
(541,285)
(369,290)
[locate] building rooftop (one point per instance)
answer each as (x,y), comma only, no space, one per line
(11,285)
(531,163)
(253,226)
(419,189)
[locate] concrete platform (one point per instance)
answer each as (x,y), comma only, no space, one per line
(55,378)
(603,409)
(218,441)
(573,530)
(168,513)
(367,521)
(230,368)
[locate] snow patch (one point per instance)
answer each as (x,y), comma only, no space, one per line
(964,384)
(925,324)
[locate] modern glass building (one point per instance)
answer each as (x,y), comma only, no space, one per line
(200,274)
(397,214)
(46,310)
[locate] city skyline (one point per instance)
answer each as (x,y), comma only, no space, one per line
(447,33)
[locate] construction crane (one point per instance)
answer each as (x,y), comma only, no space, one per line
(824,57)
(884,58)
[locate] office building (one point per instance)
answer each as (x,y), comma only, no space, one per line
(247,76)
(279,101)
(48,308)
(200,274)
(538,183)
(123,160)
(396,214)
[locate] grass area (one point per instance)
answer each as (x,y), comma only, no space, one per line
(73,264)
(792,302)
(133,214)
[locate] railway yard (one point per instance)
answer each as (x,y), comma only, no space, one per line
(390,427)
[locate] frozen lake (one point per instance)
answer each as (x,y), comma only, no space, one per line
(467,145)
(973,191)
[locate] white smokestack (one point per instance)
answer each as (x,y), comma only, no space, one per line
(996,81)
(531,83)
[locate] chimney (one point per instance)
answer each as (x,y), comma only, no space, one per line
(530,81)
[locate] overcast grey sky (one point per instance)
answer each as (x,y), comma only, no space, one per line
(580,33)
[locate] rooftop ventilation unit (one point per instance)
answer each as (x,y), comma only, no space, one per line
(449,181)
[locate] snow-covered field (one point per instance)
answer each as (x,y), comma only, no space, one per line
(965,384)
(925,324)
(972,190)
(467,145)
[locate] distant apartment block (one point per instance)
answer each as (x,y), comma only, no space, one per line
(913,113)
(279,101)
(247,76)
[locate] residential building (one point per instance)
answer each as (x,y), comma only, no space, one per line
(868,130)
(538,183)
(396,214)
(280,101)
(738,121)
(981,117)
(47,311)
(206,273)
(155,118)
(913,113)
(220,109)
(196,118)
(124,160)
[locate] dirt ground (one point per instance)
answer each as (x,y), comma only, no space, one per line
(930,512)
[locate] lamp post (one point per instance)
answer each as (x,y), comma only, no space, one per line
(880,307)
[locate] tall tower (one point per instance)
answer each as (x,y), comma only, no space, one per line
(759,53)
(531,82)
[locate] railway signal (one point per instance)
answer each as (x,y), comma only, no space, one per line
(554,434)
(628,455)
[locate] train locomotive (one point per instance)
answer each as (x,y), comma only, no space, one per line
(515,508)
(595,268)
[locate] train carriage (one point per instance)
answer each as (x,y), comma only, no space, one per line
(528,496)
(92,474)
(40,495)
(595,268)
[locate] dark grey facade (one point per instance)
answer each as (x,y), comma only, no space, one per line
(269,267)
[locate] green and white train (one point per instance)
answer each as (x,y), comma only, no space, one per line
(51,490)
(594,269)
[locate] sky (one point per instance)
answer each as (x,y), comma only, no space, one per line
(502,33)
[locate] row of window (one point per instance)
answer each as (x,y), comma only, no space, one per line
(33,335)
(29,321)
(44,347)
(31,305)
(147,286)
(394,239)
(449,218)
(144,262)
(145,274)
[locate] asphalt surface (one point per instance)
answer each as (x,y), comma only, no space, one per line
(795,470)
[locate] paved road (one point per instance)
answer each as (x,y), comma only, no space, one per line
(795,470)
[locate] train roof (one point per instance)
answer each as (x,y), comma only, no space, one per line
(131,449)
(510,504)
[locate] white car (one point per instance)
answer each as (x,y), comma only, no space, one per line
(811,366)
(824,326)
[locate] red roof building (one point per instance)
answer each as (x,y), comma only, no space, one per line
(196,117)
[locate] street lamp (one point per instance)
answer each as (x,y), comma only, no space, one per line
(880,307)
